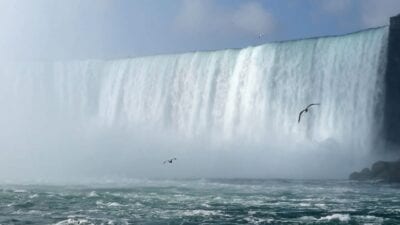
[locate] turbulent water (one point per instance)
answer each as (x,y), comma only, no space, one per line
(203,202)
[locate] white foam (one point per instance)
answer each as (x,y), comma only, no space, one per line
(305,204)
(340,217)
(109,204)
(308,218)
(201,212)
(73,221)
(254,220)
(93,194)
(33,196)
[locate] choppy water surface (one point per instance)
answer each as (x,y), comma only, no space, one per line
(203,202)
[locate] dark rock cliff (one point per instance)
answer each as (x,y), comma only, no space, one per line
(381,170)
(392,84)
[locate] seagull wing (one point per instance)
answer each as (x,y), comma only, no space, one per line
(312,105)
(169,160)
(300,114)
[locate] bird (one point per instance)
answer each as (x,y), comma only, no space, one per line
(306,110)
(260,35)
(169,160)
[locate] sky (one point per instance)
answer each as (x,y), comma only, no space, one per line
(108,29)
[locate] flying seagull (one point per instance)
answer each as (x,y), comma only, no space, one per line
(306,110)
(169,160)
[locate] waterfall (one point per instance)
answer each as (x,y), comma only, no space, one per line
(249,94)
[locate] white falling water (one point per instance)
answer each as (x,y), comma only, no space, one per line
(250,94)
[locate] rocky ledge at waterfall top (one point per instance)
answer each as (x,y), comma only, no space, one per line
(387,171)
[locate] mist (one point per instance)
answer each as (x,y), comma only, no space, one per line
(58,149)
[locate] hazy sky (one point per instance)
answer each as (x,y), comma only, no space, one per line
(80,29)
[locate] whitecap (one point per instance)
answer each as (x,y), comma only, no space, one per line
(92,194)
(33,196)
(99,203)
(114,204)
(205,205)
(201,212)
(321,205)
(305,204)
(371,219)
(73,221)
(138,204)
(254,220)
(109,204)
(340,217)
(251,212)
(307,218)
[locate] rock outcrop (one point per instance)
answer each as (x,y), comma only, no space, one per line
(381,171)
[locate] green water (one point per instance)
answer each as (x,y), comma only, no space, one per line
(239,201)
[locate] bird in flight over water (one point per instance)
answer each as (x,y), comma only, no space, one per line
(169,160)
(306,110)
